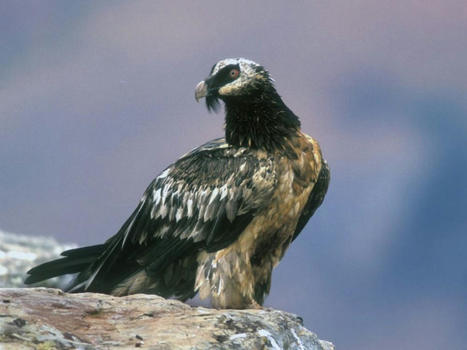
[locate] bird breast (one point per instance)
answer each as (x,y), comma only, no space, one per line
(229,275)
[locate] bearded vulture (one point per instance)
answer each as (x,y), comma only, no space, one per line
(219,219)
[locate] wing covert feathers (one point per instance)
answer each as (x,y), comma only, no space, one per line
(203,201)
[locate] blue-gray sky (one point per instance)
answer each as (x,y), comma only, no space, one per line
(97,97)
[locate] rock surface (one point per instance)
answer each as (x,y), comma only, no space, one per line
(18,253)
(42,318)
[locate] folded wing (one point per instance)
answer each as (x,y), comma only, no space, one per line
(202,202)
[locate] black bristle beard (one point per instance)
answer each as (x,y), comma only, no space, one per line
(260,120)
(212,103)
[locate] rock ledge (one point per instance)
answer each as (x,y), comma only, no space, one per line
(42,318)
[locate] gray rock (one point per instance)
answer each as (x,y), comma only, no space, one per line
(18,253)
(44,318)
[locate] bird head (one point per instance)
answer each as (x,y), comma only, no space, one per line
(232,78)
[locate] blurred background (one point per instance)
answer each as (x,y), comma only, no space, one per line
(96,98)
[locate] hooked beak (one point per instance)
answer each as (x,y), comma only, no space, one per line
(201,90)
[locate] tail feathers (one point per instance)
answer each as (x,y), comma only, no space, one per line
(75,260)
(92,250)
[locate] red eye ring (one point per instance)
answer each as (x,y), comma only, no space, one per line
(234,73)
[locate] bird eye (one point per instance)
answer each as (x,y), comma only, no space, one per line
(234,73)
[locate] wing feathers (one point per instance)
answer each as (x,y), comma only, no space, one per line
(204,200)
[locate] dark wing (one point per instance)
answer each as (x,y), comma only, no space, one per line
(315,199)
(203,201)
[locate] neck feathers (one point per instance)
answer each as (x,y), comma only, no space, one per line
(261,121)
